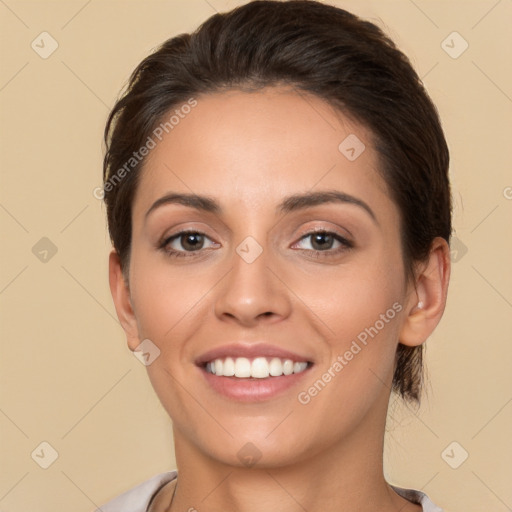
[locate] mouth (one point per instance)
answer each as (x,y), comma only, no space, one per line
(255,368)
(252,373)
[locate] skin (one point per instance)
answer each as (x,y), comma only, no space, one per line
(248,151)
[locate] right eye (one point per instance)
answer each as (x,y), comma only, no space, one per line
(185,242)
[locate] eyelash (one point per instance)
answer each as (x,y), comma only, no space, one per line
(345,244)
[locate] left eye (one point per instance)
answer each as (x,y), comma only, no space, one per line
(322,241)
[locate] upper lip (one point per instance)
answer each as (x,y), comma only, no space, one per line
(249,350)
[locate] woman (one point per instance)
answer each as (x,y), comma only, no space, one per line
(278,201)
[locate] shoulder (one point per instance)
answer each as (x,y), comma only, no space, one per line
(418,497)
(137,499)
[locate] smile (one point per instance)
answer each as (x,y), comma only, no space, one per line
(256,368)
(253,372)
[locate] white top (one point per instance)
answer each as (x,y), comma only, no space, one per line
(139,498)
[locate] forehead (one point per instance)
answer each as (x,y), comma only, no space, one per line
(255,147)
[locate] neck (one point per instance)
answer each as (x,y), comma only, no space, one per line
(345,477)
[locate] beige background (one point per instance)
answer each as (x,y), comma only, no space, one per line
(67,377)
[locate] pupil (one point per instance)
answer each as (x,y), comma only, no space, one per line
(322,240)
(192,241)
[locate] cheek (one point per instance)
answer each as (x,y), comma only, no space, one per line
(170,306)
(363,311)
(354,297)
(166,300)
(360,308)
(363,324)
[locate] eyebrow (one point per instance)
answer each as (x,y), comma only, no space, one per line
(292,203)
(301,201)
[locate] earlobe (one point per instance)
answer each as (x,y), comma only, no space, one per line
(427,300)
(121,297)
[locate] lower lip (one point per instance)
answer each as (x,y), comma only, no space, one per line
(250,389)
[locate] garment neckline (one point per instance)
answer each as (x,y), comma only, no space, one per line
(412,495)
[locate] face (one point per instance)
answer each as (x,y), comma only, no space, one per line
(291,262)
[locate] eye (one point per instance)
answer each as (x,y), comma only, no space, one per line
(186,242)
(323,241)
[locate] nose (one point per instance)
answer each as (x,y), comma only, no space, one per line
(253,292)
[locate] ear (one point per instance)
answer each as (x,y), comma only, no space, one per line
(121,296)
(427,300)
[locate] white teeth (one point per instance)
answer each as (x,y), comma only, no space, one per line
(288,367)
(275,368)
(299,367)
(242,367)
(229,367)
(258,368)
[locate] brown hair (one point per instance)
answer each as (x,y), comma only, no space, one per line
(318,49)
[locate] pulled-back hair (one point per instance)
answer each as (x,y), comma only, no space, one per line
(318,49)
